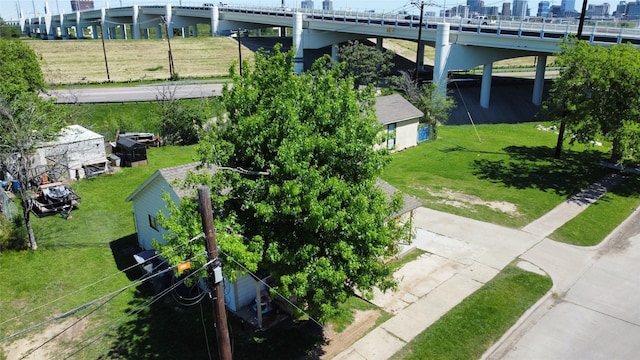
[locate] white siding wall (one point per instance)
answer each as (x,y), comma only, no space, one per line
(146,203)
(75,153)
(244,288)
(406,134)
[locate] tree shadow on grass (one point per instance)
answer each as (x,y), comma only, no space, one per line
(536,168)
(165,329)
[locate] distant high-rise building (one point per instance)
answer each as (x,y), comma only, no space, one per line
(520,9)
(327,5)
(307,4)
(79,5)
(506,10)
(568,6)
(621,9)
(474,6)
(543,9)
(598,11)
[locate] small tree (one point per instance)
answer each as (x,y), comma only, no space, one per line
(9,31)
(598,94)
(365,64)
(428,98)
(181,122)
(26,120)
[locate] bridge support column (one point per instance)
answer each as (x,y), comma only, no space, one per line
(146,33)
(94,31)
(379,46)
(215,21)
(334,52)
(79,27)
(538,83)
(443,49)
(169,21)
(298,59)
(159,31)
(195,30)
(485,87)
(113,32)
(135,28)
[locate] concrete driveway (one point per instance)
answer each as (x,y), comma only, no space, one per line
(595,313)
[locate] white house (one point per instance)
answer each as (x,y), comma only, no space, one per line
(76,153)
(147,201)
(400,120)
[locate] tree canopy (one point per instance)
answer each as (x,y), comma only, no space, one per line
(366,64)
(598,95)
(307,190)
(19,69)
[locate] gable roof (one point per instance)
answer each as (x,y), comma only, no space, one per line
(395,108)
(72,134)
(409,202)
(171,174)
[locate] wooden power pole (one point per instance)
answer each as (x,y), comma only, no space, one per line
(215,274)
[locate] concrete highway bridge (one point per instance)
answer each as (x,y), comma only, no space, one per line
(458,45)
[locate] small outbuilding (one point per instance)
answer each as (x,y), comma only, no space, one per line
(130,152)
(400,120)
(147,202)
(76,153)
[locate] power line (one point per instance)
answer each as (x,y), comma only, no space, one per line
(138,309)
(97,282)
(270,288)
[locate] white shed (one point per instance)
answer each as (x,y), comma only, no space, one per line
(400,119)
(76,153)
(147,201)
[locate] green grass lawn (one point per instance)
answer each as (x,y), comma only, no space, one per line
(471,327)
(509,177)
(75,253)
(600,218)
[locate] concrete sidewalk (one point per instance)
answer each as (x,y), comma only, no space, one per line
(462,255)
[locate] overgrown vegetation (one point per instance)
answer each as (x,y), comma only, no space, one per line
(472,326)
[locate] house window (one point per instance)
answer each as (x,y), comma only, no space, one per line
(153,222)
(391,136)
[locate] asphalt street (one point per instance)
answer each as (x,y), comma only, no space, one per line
(135,93)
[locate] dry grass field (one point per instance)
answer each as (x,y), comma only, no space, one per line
(82,61)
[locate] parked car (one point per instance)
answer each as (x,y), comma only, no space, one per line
(481,20)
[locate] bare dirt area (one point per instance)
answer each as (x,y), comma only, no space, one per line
(53,337)
(364,320)
(75,61)
(466,201)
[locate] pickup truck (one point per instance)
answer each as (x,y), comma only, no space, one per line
(481,20)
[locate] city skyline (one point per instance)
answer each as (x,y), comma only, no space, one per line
(9,8)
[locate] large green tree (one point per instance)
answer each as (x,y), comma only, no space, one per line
(19,69)
(300,168)
(365,64)
(26,120)
(598,96)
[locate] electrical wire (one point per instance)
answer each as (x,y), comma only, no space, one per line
(204,327)
(22,314)
(135,311)
(270,288)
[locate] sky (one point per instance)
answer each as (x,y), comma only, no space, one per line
(8,8)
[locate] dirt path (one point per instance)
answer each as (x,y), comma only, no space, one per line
(336,342)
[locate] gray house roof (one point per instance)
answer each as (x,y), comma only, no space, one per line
(171,174)
(409,202)
(394,108)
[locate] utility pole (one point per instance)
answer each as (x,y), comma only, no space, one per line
(239,35)
(171,68)
(104,50)
(418,60)
(563,122)
(215,274)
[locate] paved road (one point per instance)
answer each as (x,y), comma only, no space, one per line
(595,313)
(136,93)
